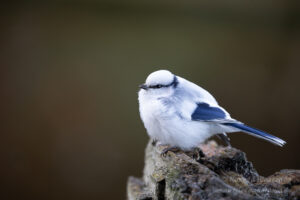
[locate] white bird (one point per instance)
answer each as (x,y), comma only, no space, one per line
(181,114)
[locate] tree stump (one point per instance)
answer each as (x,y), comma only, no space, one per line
(223,173)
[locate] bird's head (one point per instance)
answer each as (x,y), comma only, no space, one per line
(161,83)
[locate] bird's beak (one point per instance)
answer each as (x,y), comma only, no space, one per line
(143,86)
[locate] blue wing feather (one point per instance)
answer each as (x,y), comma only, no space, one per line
(204,111)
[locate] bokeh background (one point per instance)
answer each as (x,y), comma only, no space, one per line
(69,71)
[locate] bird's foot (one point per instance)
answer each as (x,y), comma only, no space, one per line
(196,153)
(224,138)
(166,150)
(154,142)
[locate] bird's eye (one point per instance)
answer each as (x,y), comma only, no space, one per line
(156,86)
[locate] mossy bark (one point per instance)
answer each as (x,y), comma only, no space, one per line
(224,173)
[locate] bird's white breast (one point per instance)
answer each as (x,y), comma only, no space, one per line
(166,123)
(150,110)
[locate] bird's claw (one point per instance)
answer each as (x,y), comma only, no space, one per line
(197,154)
(154,141)
(166,150)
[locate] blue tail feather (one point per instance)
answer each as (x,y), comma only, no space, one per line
(257,133)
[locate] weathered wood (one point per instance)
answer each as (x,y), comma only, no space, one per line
(224,173)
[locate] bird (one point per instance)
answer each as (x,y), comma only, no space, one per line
(181,114)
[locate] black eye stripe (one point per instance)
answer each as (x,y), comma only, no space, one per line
(157,86)
(174,83)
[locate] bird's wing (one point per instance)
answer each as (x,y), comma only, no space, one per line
(199,105)
(213,113)
(206,112)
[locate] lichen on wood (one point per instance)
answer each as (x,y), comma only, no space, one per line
(223,173)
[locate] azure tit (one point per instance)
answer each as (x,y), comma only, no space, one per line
(181,114)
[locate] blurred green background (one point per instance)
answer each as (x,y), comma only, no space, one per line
(70,70)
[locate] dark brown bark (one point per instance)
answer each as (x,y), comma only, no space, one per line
(224,173)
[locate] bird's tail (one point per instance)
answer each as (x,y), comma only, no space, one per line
(257,133)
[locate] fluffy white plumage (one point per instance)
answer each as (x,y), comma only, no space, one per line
(177,112)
